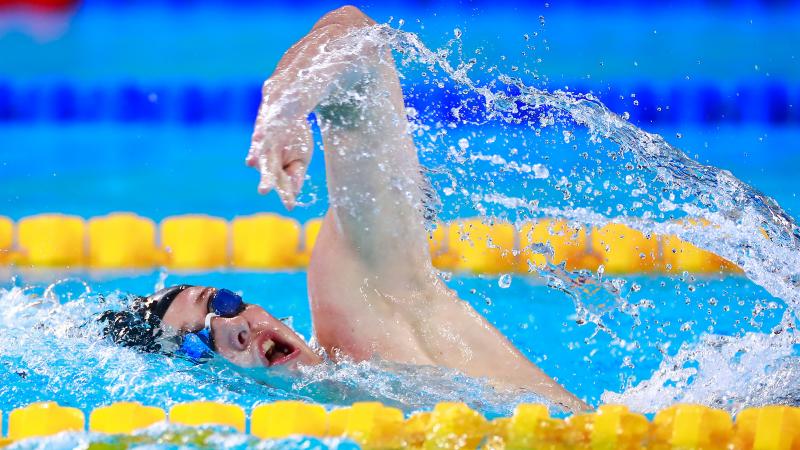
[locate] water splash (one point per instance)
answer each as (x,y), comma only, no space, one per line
(661,184)
(760,236)
(721,371)
(495,153)
(53,350)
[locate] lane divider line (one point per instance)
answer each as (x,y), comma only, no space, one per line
(272,242)
(447,426)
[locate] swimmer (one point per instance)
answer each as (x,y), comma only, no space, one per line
(372,289)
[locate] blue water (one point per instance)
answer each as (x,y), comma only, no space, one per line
(94,169)
(54,360)
(95,119)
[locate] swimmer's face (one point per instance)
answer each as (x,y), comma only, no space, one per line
(252,338)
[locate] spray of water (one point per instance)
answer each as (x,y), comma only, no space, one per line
(660,184)
(502,148)
(54,350)
(760,236)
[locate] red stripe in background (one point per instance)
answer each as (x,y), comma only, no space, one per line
(49,5)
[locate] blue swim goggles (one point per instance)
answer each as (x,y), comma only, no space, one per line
(199,345)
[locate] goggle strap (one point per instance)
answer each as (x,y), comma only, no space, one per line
(209,316)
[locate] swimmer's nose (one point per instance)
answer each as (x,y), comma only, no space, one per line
(235,332)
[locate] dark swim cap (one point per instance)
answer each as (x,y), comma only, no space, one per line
(140,326)
(160,302)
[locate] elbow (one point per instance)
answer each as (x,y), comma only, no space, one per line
(348,16)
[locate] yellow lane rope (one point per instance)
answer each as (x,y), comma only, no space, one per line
(273,242)
(447,426)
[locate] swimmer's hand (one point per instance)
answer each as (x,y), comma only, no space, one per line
(281,151)
(282,143)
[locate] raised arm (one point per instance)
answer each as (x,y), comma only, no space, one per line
(342,71)
(371,285)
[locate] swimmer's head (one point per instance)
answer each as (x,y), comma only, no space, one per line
(245,335)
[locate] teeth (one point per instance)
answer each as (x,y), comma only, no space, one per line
(267,347)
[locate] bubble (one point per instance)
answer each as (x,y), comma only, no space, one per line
(540,171)
(504,281)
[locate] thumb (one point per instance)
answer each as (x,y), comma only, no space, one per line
(296,171)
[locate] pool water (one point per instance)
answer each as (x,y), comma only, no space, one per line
(53,350)
(494,146)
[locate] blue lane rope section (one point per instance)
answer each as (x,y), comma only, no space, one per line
(773,103)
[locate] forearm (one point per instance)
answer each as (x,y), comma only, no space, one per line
(372,168)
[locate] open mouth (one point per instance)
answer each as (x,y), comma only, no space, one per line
(276,351)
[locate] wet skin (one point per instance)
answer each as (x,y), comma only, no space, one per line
(372,289)
(253,338)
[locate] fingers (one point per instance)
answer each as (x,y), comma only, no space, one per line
(281,153)
(286,181)
(285,190)
(296,172)
(252,159)
(256,142)
(269,167)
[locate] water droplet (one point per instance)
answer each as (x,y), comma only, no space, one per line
(540,171)
(504,281)
(457,33)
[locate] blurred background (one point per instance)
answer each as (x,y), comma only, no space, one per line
(147,106)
